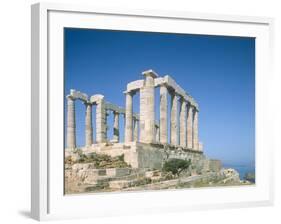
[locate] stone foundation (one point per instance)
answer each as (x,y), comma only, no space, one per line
(149,155)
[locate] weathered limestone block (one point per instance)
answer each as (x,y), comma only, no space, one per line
(183,123)
(129,117)
(195,145)
(174,119)
(215,165)
(88,125)
(163,114)
(116,134)
(118,172)
(147,115)
(71,124)
(100,121)
(135,85)
(189,126)
(120,184)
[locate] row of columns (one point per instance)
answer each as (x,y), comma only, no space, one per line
(71,123)
(186,135)
(143,130)
(101,128)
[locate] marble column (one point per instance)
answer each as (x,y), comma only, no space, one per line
(189,126)
(136,129)
(147,114)
(88,125)
(195,130)
(71,124)
(116,132)
(163,114)
(129,117)
(182,123)
(174,119)
(100,121)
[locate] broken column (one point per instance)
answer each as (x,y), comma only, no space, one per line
(71,125)
(182,123)
(147,115)
(163,114)
(88,125)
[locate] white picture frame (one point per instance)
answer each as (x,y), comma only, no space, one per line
(48,201)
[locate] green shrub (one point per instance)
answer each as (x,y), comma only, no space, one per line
(176,166)
(104,161)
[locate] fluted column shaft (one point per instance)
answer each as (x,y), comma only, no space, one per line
(116,132)
(100,121)
(195,130)
(173,119)
(71,124)
(136,129)
(183,123)
(189,127)
(163,114)
(129,117)
(88,125)
(147,114)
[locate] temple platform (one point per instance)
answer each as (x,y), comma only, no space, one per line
(146,155)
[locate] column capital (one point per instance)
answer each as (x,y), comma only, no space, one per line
(131,93)
(70,97)
(195,108)
(183,100)
(115,112)
(87,103)
(150,73)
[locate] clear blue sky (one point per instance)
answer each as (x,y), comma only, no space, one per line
(218,71)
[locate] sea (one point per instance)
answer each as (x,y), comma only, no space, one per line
(241,169)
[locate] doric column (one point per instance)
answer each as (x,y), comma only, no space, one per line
(195,129)
(129,117)
(183,123)
(173,119)
(88,125)
(136,129)
(163,114)
(147,115)
(100,121)
(189,126)
(116,133)
(71,125)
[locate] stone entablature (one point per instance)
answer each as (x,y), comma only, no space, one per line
(169,82)
(140,127)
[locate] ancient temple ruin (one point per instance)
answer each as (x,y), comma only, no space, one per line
(146,140)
